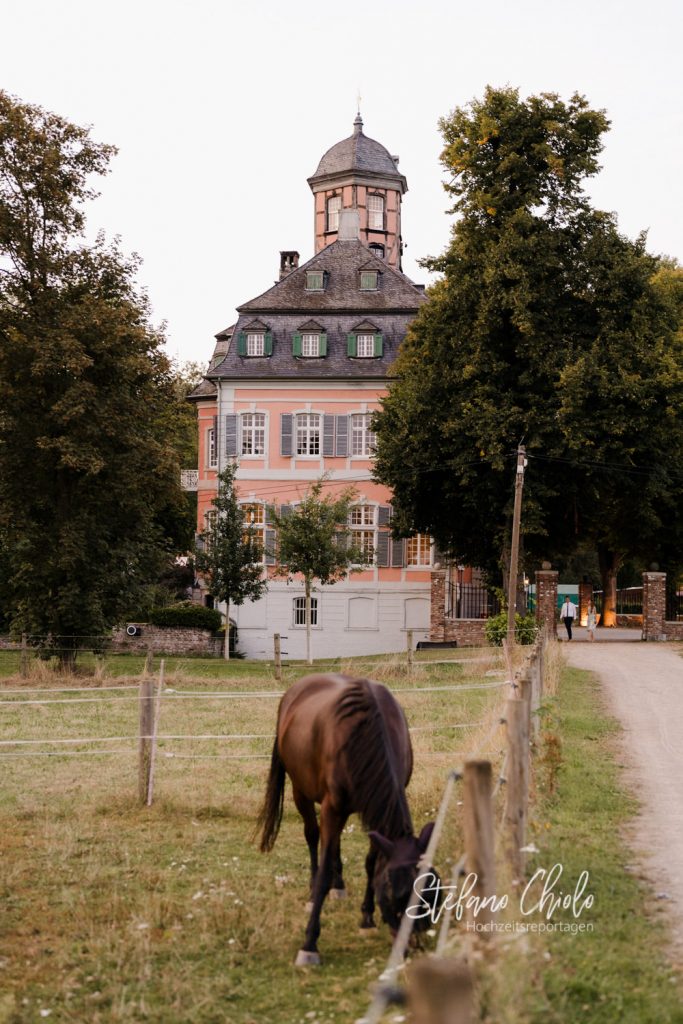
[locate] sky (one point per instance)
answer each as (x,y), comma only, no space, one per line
(221,111)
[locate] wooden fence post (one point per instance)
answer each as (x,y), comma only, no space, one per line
(440,991)
(155,730)
(278,657)
(149,662)
(517,789)
(479,837)
(409,651)
(146,726)
(525,687)
(23,661)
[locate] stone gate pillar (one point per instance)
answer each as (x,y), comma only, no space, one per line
(585,596)
(546,599)
(437,625)
(654,605)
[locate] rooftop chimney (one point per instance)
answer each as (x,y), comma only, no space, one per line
(289,261)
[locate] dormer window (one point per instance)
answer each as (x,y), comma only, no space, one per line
(333,211)
(315,280)
(365,343)
(255,343)
(365,346)
(376,213)
(369,280)
(310,343)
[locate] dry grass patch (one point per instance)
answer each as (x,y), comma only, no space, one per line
(113,912)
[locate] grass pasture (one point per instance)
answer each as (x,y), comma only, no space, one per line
(113,912)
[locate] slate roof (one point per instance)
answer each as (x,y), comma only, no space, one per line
(336,365)
(342,260)
(341,309)
(357,153)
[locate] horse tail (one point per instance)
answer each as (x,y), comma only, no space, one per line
(270,817)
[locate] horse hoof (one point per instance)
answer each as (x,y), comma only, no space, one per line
(337,894)
(309,906)
(306,959)
(367,929)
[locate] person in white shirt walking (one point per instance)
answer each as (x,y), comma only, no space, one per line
(568,614)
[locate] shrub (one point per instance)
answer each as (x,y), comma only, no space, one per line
(497,627)
(187,614)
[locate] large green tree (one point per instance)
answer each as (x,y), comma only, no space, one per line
(549,327)
(89,477)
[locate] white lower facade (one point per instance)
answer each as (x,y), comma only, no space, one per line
(350,619)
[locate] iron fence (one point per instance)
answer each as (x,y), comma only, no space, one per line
(470,601)
(629,601)
(674,606)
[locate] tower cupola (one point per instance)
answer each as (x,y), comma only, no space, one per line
(360,174)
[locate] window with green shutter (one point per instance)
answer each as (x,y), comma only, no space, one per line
(379,345)
(351,344)
(296,345)
(368,280)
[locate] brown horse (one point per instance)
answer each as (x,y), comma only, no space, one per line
(345,745)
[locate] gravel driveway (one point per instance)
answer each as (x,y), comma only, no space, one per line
(643,683)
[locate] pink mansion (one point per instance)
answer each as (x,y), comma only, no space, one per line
(290,393)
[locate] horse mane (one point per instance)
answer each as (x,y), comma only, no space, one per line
(377,779)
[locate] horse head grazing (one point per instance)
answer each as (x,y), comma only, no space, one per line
(398,865)
(345,745)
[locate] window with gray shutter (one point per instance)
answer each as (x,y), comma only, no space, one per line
(398,547)
(328,436)
(382,550)
(269,553)
(286,433)
(342,449)
(285,510)
(384,515)
(269,515)
(231,434)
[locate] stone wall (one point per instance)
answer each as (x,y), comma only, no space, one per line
(630,621)
(673,630)
(167,640)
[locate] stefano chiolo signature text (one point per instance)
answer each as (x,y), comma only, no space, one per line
(541,895)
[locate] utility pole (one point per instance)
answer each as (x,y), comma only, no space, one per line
(514,550)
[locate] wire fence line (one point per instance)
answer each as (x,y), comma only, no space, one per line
(236,694)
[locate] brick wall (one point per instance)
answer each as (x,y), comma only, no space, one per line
(467,632)
(167,640)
